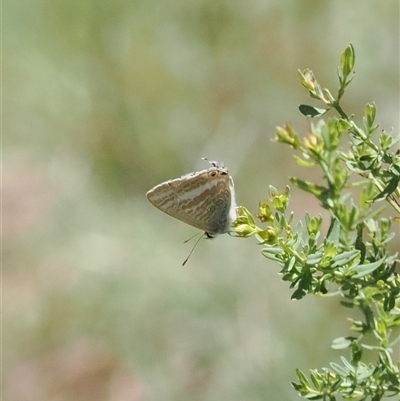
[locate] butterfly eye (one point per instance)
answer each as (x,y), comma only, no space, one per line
(213,173)
(223,173)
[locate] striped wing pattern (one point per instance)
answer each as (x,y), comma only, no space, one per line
(204,200)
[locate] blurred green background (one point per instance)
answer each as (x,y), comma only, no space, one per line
(103,100)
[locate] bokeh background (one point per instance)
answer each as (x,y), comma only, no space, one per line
(103,100)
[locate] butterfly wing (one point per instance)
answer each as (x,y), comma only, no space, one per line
(203,200)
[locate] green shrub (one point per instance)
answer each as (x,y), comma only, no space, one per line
(353,261)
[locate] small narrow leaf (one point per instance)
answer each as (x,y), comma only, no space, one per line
(334,231)
(344,258)
(310,111)
(302,377)
(299,294)
(341,342)
(359,244)
(303,163)
(347,364)
(314,259)
(363,270)
(308,186)
(339,369)
(347,61)
(389,189)
(389,303)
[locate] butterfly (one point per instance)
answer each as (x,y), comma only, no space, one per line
(204,200)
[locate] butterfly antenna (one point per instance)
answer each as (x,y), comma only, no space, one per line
(214,164)
(184,262)
(190,238)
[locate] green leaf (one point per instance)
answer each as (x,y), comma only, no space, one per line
(389,302)
(341,342)
(303,163)
(308,186)
(328,96)
(316,380)
(339,369)
(310,111)
(299,294)
(302,377)
(314,259)
(364,372)
(347,61)
(297,387)
(334,231)
(344,258)
(389,189)
(359,244)
(363,270)
(347,364)
(271,253)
